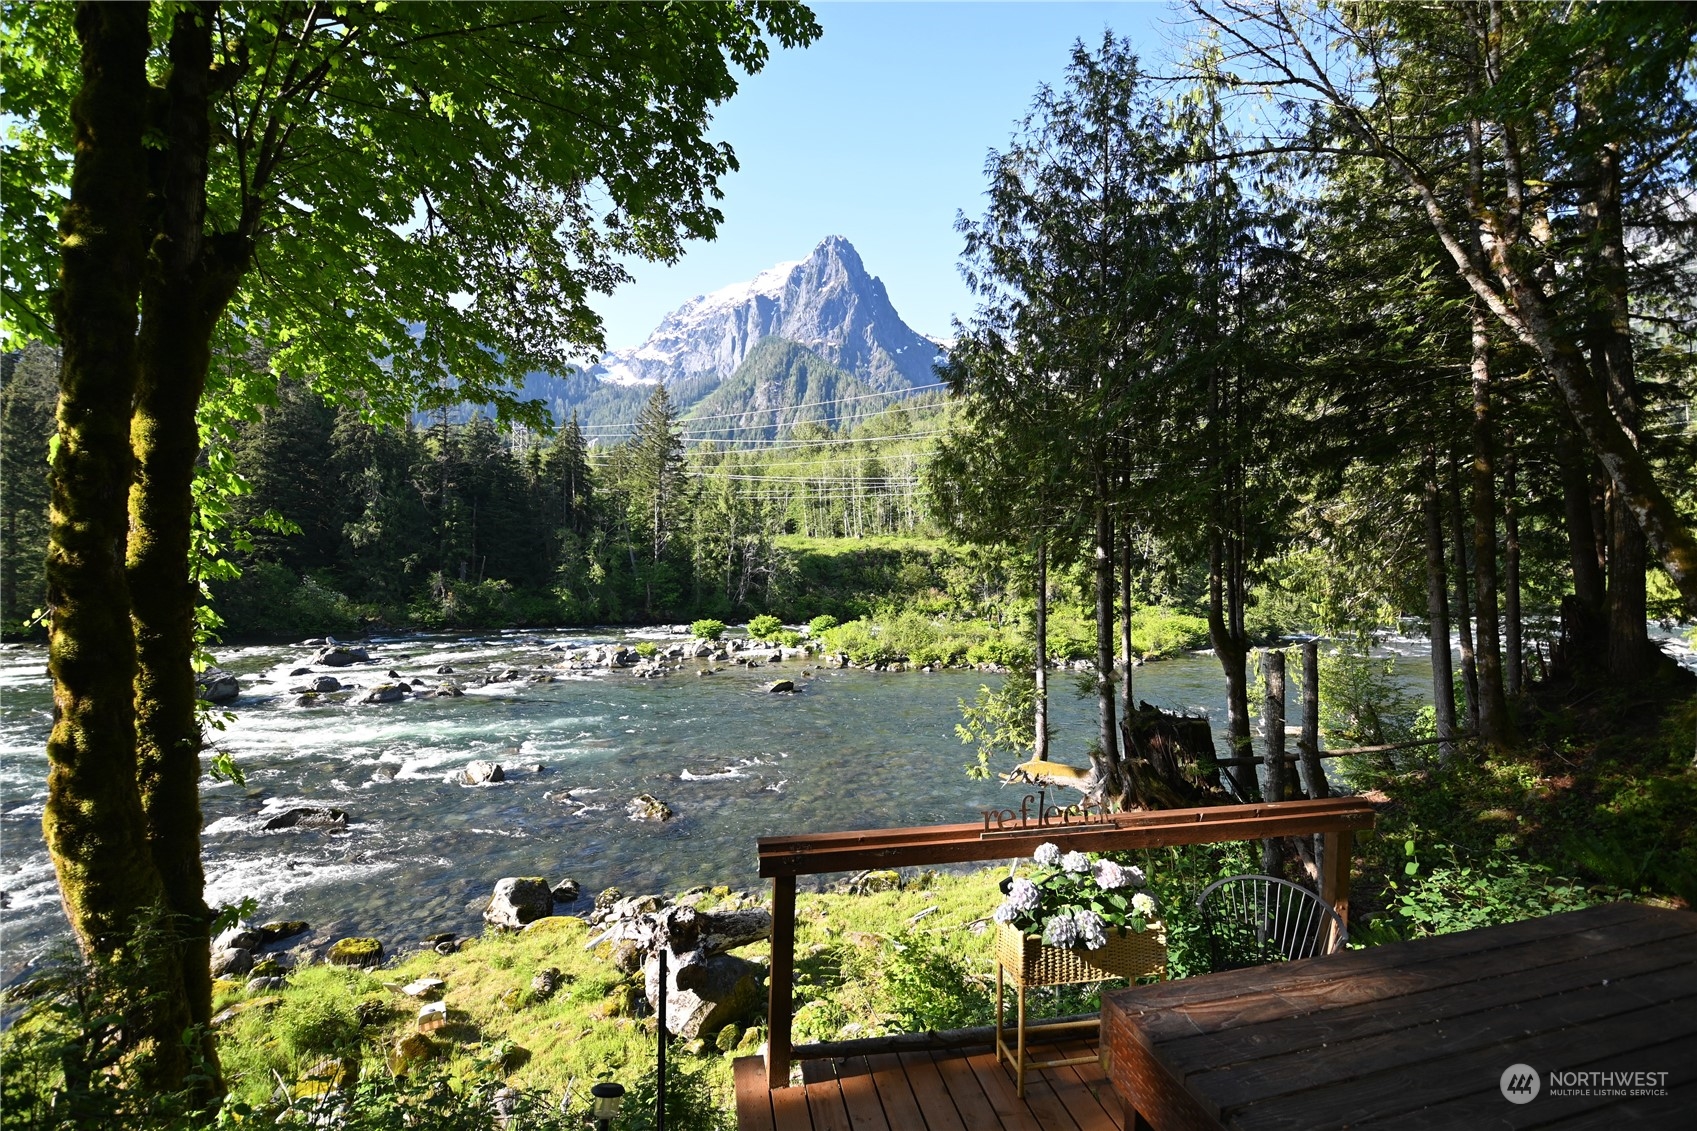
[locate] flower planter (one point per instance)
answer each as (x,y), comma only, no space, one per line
(1028,961)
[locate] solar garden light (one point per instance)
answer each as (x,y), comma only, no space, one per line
(609,1098)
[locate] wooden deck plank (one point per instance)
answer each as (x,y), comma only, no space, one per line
(1661,1113)
(1485,1108)
(1277,1023)
(860,1095)
(826,1107)
(895,1095)
(816,1071)
(932,1094)
(1377,961)
(1386,1092)
(754,1101)
(790,1111)
(974,1106)
(1086,1092)
(1016,1114)
(1346,1057)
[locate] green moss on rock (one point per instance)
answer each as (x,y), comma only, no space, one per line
(355,952)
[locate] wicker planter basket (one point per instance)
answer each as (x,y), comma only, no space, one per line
(1128,954)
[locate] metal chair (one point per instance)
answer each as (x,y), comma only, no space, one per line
(1250,920)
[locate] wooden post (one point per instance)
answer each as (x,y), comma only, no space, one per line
(1334,877)
(780,994)
(1273,763)
(1313,775)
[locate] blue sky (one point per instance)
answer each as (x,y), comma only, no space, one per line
(878,133)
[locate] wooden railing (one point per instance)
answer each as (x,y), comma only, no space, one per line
(783,858)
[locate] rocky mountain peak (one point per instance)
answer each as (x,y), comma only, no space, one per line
(826,302)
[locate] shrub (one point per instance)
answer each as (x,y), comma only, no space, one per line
(788,638)
(1160,631)
(928,986)
(860,641)
(707,629)
(820,624)
(764,627)
(647,649)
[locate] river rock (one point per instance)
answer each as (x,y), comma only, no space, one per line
(231,962)
(326,683)
(387,693)
(710,994)
(264,982)
(308,817)
(566,891)
(280,929)
(518,900)
(340,656)
(385,771)
(445,669)
(243,935)
(300,671)
(479,772)
(545,983)
(646,807)
(216,685)
(354,952)
(779,685)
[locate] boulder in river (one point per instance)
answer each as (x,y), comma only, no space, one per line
(518,900)
(479,772)
(326,683)
(355,952)
(309,817)
(340,656)
(280,929)
(299,671)
(779,685)
(566,891)
(387,693)
(646,807)
(216,685)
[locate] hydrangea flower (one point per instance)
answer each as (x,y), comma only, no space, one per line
(1143,904)
(1023,895)
(1061,930)
(1047,854)
(1135,875)
(1109,875)
(1076,863)
(1089,927)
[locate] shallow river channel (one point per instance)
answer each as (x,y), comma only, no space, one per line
(852,749)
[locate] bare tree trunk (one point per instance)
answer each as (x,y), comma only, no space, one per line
(1107,729)
(1314,782)
(1514,647)
(1041,673)
(1127,678)
(1495,726)
(1273,773)
(1459,610)
(1438,613)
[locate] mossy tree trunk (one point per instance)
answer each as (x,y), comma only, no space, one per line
(94,822)
(189,280)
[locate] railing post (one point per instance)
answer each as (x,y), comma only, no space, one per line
(1334,878)
(780,993)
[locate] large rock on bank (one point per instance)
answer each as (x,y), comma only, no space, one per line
(519,900)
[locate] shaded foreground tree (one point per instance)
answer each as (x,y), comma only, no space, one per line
(322,186)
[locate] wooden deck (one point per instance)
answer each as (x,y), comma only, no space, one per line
(962,1090)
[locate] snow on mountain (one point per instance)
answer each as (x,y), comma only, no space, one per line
(826,302)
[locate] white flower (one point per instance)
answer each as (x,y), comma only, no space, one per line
(1006,913)
(1135,875)
(1047,853)
(1023,895)
(1109,875)
(1060,930)
(1089,927)
(1143,904)
(1075,862)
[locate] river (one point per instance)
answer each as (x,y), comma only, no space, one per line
(852,749)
